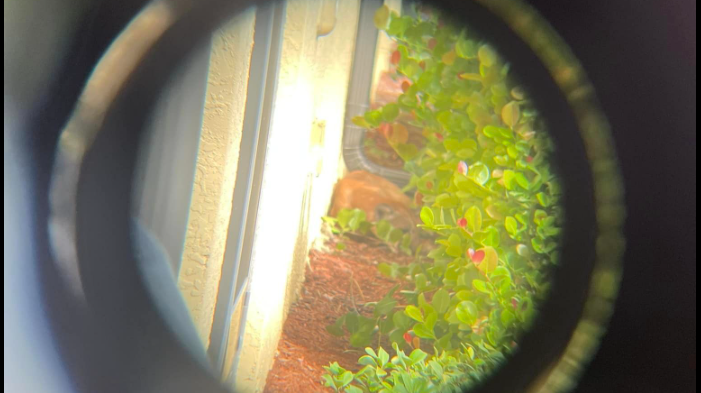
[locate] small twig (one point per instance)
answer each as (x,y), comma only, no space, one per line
(359,289)
(350,284)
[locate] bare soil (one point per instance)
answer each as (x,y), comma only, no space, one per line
(336,282)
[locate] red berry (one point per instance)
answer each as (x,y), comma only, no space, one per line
(405,86)
(462,223)
(439,136)
(429,185)
(432,43)
(462,168)
(514,303)
(419,198)
(529,159)
(386,129)
(407,338)
(396,56)
(478,257)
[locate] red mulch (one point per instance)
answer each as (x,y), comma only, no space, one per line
(335,283)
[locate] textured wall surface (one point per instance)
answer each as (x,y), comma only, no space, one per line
(302,165)
(166,169)
(215,174)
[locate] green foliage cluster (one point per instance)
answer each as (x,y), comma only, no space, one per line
(488,195)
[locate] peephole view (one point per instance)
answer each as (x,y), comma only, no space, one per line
(351,196)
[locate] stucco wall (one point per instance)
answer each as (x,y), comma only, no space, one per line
(302,165)
(215,175)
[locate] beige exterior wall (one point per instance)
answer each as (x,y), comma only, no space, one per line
(302,165)
(303,162)
(217,160)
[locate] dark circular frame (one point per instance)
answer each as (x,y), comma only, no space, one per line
(93,180)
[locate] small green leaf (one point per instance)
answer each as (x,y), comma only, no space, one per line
(401,321)
(417,355)
(407,151)
(451,145)
(446,201)
(390,112)
(385,306)
(464,295)
(420,281)
(441,301)
(467,49)
(352,322)
(539,216)
(511,114)
(466,312)
(382,229)
(507,317)
(454,251)
(487,56)
(386,325)
(353,389)
(346,378)
(522,181)
(406,243)
(421,301)
(431,319)
(328,381)
(380,372)
(395,235)
(385,269)
(511,225)
(491,259)
(543,199)
(340,246)
(422,331)
(366,360)
(491,238)
(501,271)
(414,313)
(360,339)
(343,217)
(465,153)
(479,173)
(427,216)
(473,215)
(397,26)
(381,17)
(509,178)
(374,118)
(383,356)
(357,218)
(481,286)
(364,227)
(361,122)
(444,342)
(436,367)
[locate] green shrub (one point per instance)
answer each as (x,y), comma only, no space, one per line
(488,195)
(354,221)
(417,372)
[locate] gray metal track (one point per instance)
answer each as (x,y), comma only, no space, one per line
(359,97)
